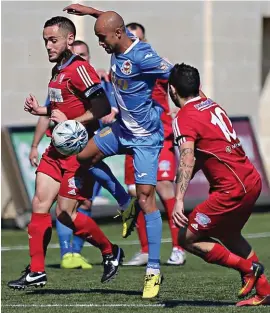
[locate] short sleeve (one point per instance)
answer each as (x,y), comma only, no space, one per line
(184,129)
(152,64)
(85,79)
(107,86)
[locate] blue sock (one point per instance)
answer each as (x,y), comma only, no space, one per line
(154,233)
(107,180)
(96,190)
(77,243)
(64,234)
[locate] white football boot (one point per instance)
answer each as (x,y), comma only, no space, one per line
(178,257)
(139,259)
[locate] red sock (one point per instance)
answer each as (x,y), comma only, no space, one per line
(39,234)
(262,285)
(169,205)
(141,229)
(221,256)
(86,228)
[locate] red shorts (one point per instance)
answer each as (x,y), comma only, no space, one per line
(166,164)
(76,183)
(224,213)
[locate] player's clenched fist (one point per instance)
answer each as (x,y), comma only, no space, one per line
(31,105)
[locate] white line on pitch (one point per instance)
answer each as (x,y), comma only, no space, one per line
(126,243)
(84,305)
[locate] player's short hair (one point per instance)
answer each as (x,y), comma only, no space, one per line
(80,43)
(185,79)
(62,22)
(134,26)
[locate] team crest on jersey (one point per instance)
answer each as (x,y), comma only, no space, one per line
(202,219)
(126,67)
(164,165)
(164,65)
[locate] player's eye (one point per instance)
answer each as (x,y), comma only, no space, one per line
(54,40)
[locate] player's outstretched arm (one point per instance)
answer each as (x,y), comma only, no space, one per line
(183,177)
(81,10)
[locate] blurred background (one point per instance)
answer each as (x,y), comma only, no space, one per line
(229,42)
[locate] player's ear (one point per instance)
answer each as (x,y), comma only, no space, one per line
(71,39)
(118,32)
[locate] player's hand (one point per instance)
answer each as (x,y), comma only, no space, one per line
(178,215)
(57,116)
(103,75)
(108,119)
(31,105)
(79,9)
(33,156)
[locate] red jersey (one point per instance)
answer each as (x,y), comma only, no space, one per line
(218,151)
(70,86)
(160,95)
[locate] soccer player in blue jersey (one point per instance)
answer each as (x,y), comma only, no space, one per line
(135,67)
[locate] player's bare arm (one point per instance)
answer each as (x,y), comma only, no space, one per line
(42,126)
(81,10)
(183,177)
(31,105)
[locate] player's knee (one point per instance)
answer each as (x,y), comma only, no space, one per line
(40,205)
(165,189)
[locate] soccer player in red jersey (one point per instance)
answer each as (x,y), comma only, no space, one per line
(75,93)
(165,176)
(208,142)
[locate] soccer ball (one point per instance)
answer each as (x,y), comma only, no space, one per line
(69,137)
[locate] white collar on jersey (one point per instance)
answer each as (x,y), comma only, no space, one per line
(193,99)
(132,46)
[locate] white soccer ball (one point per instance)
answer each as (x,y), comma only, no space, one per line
(69,137)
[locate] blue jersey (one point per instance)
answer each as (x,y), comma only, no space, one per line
(134,74)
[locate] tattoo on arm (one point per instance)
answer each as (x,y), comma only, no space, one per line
(185,170)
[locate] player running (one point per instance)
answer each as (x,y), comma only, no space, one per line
(165,175)
(135,67)
(207,141)
(75,93)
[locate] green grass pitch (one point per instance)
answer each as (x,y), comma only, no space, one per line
(196,287)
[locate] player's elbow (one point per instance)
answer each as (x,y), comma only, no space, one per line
(101,107)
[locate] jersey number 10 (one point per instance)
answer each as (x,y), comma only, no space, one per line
(217,119)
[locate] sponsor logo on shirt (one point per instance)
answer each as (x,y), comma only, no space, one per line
(126,67)
(202,219)
(55,95)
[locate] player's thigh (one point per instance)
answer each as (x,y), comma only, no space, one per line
(165,189)
(187,237)
(91,154)
(105,143)
(145,160)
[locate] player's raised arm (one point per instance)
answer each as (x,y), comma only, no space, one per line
(152,64)
(81,10)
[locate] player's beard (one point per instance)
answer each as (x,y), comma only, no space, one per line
(64,57)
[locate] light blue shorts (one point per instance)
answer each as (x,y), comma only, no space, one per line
(145,150)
